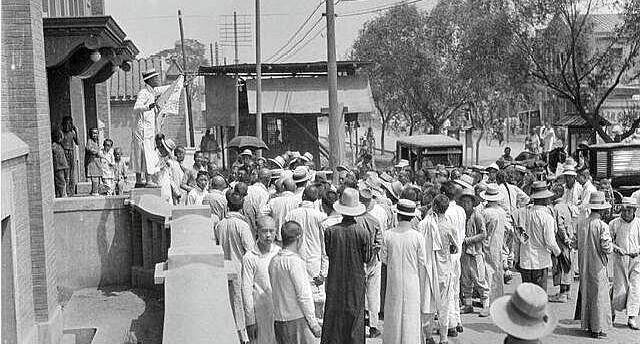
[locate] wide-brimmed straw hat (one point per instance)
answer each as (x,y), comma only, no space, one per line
(540,190)
(465,180)
(148,74)
(493,166)
(569,170)
(597,201)
(524,314)
(306,157)
(384,176)
(246,152)
(349,203)
(402,163)
(278,161)
(406,207)
(341,168)
(468,192)
(520,168)
(300,174)
(169,145)
(492,193)
(629,202)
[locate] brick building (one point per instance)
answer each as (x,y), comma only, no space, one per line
(56,57)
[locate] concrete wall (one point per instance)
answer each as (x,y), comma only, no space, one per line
(93,240)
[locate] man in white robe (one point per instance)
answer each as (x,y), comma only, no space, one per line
(257,197)
(428,228)
(279,207)
(143,158)
(457,217)
(625,233)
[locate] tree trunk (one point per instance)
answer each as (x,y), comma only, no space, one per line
(411,127)
(435,128)
(383,129)
(478,144)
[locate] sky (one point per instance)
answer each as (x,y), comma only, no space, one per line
(153,25)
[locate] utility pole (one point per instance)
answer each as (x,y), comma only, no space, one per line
(211,63)
(186,84)
(217,55)
(235,62)
(336,119)
(259,78)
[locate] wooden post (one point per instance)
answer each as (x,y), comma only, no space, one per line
(186,84)
(336,118)
(258,79)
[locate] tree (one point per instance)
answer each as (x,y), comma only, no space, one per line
(195,52)
(557,39)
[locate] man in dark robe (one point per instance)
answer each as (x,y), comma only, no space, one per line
(348,247)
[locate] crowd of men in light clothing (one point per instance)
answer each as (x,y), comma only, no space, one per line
(331,258)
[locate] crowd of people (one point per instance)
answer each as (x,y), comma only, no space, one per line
(331,258)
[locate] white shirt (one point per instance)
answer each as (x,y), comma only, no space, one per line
(513,198)
(312,250)
(196,196)
(540,226)
(457,217)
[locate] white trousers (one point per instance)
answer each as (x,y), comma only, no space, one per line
(454,307)
(374,275)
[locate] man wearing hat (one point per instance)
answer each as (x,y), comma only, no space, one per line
(625,233)
(584,178)
(594,246)
(538,238)
(493,171)
(349,248)
(472,259)
(562,269)
(403,251)
(495,221)
(524,316)
(143,158)
(572,190)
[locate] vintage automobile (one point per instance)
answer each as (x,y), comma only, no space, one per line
(619,162)
(427,151)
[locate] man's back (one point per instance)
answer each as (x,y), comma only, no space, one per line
(235,236)
(539,225)
(312,248)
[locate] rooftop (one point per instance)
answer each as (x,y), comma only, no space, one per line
(349,67)
(430,141)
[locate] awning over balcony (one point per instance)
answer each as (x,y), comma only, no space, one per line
(87,47)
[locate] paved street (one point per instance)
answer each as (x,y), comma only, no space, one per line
(481,330)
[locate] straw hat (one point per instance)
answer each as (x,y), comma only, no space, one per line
(520,168)
(300,174)
(492,193)
(629,202)
(402,163)
(569,170)
(341,168)
(276,173)
(466,181)
(246,152)
(349,203)
(493,166)
(468,192)
(385,177)
(598,201)
(524,314)
(307,157)
(148,74)
(406,207)
(278,161)
(169,145)
(540,190)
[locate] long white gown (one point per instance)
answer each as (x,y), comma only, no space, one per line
(403,252)
(256,292)
(626,275)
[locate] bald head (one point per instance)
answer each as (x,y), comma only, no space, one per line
(289,185)
(218,182)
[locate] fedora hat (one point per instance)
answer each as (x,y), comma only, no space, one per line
(597,201)
(402,163)
(300,174)
(349,203)
(492,193)
(540,190)
(629,202)
(465,180)
(406,207)
(569,170)
(148,74)
(373,183)
(278,161)
(524,314)
(246,152)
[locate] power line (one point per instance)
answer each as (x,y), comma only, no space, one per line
(379,8)
(297,31)
(306,43)
(299,41)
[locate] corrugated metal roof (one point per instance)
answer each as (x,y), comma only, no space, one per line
(430,141)
(575,120)
(124,86)
(308,95)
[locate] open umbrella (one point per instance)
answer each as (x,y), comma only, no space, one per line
(243,142)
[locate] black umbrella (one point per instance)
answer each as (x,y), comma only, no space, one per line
(243,142)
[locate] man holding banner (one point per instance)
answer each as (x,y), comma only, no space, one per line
(153,103)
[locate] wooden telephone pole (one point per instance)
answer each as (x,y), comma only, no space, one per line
(258,78)
(186,85)
(336,119)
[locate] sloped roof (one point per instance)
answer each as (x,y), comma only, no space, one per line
(124,86)
(574,120)
(430,141)
(309,95)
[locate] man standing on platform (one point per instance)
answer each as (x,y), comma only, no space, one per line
(143,158)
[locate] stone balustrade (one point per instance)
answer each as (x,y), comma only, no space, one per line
(195,278)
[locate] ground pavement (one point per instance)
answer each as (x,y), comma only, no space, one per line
(481,330)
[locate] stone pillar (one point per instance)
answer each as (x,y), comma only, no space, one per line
(25,112)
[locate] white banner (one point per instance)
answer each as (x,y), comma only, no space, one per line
(169,101)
